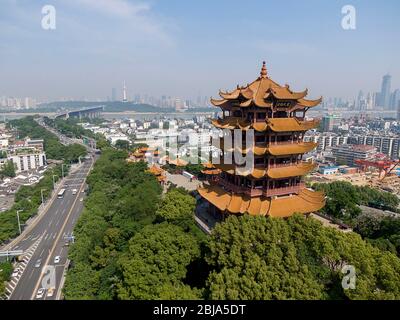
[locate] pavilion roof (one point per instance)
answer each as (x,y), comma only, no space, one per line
(305,202)
(261,93)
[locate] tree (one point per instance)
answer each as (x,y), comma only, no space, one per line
(157,258)
(122,144)
(367,225)
(5,273)
(297,258)
(177,207)
(8,169)
(82,283)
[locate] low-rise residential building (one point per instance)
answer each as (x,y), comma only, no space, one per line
(348,153)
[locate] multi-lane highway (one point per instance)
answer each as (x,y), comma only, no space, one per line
(48,239)
(45,243)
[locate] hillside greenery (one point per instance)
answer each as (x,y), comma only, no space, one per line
(28,127)
(343,204)
(133,242)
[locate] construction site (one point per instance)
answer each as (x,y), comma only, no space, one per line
(379,172)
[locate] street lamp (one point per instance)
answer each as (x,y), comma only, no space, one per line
(19,223)
(62,168)
(54,184)
(41,193)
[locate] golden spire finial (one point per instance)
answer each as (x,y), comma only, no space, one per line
(263,72)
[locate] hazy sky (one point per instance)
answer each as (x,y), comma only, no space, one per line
(186,48)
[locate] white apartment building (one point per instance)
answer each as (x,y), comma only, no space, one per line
(384,144)
(28,160)
(326,140)
(114,137)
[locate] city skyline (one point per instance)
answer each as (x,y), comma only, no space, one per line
(174,49)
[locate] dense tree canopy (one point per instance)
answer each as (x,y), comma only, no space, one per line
(132,242)
(5,273)
(122,144)
(123,198)
(8,169)
(156,261)
(343,203)
(297,258)
(54,149)
(343,198)
(177,207)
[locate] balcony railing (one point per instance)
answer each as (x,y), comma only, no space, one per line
(256,192)
(285,190)
(272,143)
(289,164)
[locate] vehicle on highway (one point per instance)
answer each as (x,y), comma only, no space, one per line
(57,259)
(38,263)
(74,191)
(66,244)
(60,194)
(15,273)
(50,292)
(40,293)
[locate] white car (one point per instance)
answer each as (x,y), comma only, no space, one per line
(57,259)
(15,273)
(74,191)
(40,293)
(38,263)
(50,292)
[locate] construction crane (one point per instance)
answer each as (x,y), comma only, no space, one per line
(385,166)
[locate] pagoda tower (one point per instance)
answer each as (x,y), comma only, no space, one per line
(274,186)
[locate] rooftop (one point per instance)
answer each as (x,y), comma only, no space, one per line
(261,93)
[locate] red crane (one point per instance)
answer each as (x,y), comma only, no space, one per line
(385,166)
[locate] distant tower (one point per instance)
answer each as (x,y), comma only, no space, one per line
(370,101)
(124,99)
(385,92)
(113,94)
(360,98)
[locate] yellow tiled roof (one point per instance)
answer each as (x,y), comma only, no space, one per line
(261,92)
(305,202)
(294,148)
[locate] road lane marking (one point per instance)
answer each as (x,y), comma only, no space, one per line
(58,238)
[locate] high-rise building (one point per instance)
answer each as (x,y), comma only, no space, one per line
(370,102)
(384,96)
(398,111)
(113,94)
(124,95)
(272,185)
(395,99)
(330,122)
(360,99)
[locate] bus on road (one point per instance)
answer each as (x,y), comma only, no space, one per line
(61,194)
